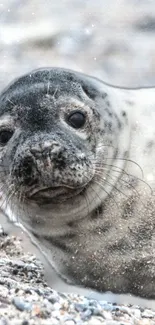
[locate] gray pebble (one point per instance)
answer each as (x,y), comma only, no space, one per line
(136,312)
(80,307)
(86,315)
(108,307)
(53,298)
(21,304)
(96,312)
(93,303)
(3,321)
(17,263)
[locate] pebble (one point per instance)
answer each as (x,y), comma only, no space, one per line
(80,307)
(136,313)
(107,315)
(86,315)
(148,313)
(18,263)
(21,304)
(53,298)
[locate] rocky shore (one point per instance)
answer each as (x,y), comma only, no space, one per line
(26,299)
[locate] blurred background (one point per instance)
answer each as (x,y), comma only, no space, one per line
(111,39)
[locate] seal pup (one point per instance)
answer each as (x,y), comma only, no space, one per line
(77,173)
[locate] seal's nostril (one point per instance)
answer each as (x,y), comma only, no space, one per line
(27,170)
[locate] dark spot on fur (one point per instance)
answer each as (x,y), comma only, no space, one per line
(98,130)
(61,242)
(143,233)
(37,222)
(108,104)
(149,147)
(128,208)
(124,113)
(71,224)
(150,144)
(97,213)
(104,95)
(116,153)
(119,124)
(110,114)
(89,90)
(129,102)
(123,245)
(125,116)
(125,154)
(95,113)
(108,125)
(103,228)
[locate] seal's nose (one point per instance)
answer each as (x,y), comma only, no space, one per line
(39,162)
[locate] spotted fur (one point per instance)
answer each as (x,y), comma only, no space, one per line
(85,195)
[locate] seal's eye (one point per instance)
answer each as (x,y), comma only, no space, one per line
(76,119)
(5,136)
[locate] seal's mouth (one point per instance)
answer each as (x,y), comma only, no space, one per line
(53,194)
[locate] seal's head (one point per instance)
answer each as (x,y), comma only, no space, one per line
(57,129)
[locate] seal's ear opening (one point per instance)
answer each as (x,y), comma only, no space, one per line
(89,90)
